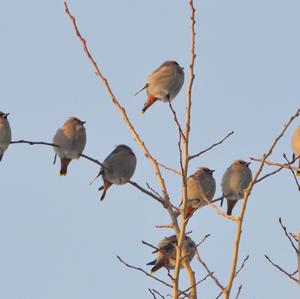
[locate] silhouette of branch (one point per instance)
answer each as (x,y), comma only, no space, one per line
(153,292)
(288,236)
(239,291)
(211,147)
(281,166)
(293,174)
(146,273)
(283,271)
(176,120)
(169,168)
(34,143)
(210,273)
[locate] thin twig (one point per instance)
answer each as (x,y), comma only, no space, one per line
(176,120)
(242,266)
(160,295)
(152,293)
(239,291)
(282,270)
(203,240)
(146,273)
(169,168)
(210,273)
(211,147)
(288,236)
(290,168)
(34,142)
(157,198)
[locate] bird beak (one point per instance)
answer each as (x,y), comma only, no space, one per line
(83,122)
(248,163)
(6,115)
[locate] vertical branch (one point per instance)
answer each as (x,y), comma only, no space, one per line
(247,192)
(179,252)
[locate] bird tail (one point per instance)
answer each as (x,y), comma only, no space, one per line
(64,166)
(146,85)
(157,266)
(230,205)
(150,101)
(106,185)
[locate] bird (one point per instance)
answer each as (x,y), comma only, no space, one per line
(5,133)
(163,84)
(296,146)
(70,140)
(199,185)
(118,168)
(235,180)
(166,252)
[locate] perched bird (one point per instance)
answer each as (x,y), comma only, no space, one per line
(296,146)
(166,253)
(118,168)
(71,140)
(163,84)
(201,184)
(5,133)
(235,180)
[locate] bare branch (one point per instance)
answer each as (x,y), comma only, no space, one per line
(210,273)
(288,236)
(34,143)
(239,291)
(289,164)
(146,273)
(211,147)
(169,168)
(282,270)
(242,266)
(152,293)
(176,120)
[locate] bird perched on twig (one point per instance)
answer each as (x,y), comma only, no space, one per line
(235,180)
(296,146)
(118,168)
(5,133)
(71,140)
(166,252)
(163,84)
(200,185)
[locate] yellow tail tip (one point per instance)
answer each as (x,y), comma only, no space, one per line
(142,113)
(298,173)
(62,174)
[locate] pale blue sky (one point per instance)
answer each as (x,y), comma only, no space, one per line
(57,240)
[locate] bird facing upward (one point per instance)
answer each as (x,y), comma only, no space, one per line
(163,84)
(71,140)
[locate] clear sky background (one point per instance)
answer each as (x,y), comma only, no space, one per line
(57,239)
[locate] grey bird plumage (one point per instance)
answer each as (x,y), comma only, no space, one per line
(296,146)
(200,185)
(166,253)
(163,84)
(71,139)
(5,133)
(118,167)
(235,180)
